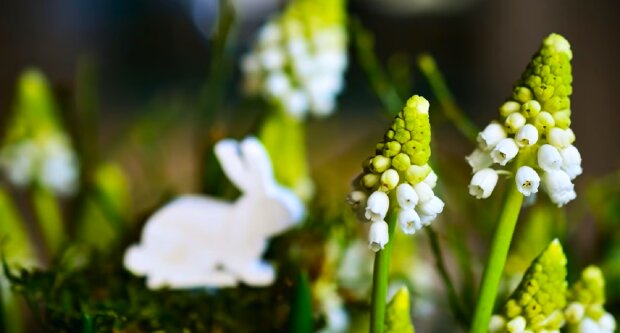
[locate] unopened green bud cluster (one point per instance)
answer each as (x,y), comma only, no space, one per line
(397,178)
(586,299)
(398,313)
(403,154)
(537,303)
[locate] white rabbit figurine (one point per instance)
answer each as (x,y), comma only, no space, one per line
(198,241)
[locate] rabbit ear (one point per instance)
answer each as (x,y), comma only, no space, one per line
(258,163)
(227,152)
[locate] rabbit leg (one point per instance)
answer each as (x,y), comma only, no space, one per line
(254,272)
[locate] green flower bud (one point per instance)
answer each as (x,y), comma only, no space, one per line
(544,121)
(531,108)
(389,179)
(562,119)
(509,107)
(541,295)
(514,122)
(416,174)
(401,162)
(380,163)
(402,136)
(522,94)
(398,313)
(390,134)
(391,149)
(370,181)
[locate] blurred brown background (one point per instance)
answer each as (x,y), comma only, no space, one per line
(149,47)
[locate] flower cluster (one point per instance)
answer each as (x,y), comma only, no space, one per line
(585,312)
(534,131)
(536,305)
(299,58)
(35,148)
(399,174)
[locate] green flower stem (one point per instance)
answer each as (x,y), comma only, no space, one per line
(380,280)
(49,218)
(497,258)
(379,80)
(453,298)
(444,97)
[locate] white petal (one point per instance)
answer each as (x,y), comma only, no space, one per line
(571,161)
(377,206)
(516,325)
(607,322)
(558,186)
(406,196)
(272,59)
(504,151)
(549,158)
(409,221)
(432,207)
(277,85)
(574,312)
(425,192)
(431,179)
(527,180)
(296,103)
(378,235)
(558,137)
(527,135)
(482,183)
(491,135)
(479,159)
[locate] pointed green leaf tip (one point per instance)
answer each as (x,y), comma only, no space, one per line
(398,313)
(541,295)
(548,80)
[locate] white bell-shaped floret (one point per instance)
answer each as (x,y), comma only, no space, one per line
(527,180)
(549,158)
(409,221)
(479,159)
(378,235)
(431,207)
(571,161)
(527,135)
(425,192)
(406,196)
(483,183)
(491,135)
(377,206)
(559,187)
(504,151)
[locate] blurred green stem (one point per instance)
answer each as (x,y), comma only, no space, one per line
(453,299)
(380,280)
(444,96)
(379,80)
(497,258)
(49,218)
(10,316)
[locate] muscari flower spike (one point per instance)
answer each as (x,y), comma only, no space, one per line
(398,176)
(585,312)
(398,313)
(537,303)
(299,58)
(35,148)
(533,131)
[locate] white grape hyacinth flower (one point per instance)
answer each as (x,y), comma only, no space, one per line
(198,241)
(51,162)
(504,151)
(377,206)
(527,181)
(378,235)
(307,43)
(533,131)
(409,221)
(483,183)
(558,185)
